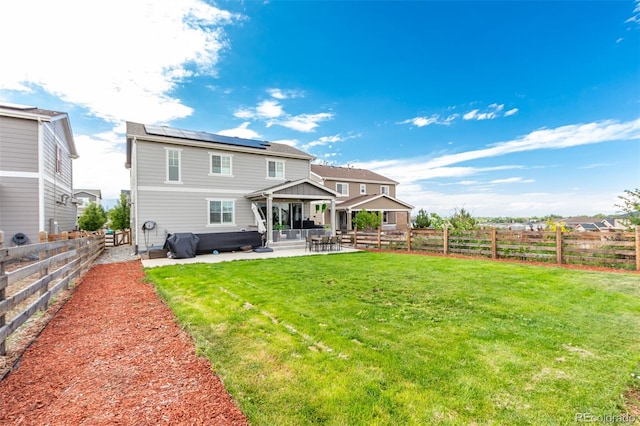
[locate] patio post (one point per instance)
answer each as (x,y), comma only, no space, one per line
(269,219)
(333,217)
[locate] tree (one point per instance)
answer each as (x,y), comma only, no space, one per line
(422,220)
(462,220)
(93,218)
(367,220)
(552,225)
(631,205)
(120,214)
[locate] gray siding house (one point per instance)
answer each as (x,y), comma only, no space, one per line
(85,196)
(186,181)
(361,189)
(36,172)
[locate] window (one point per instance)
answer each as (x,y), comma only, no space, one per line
(58,159)
(363,189)
(275,169)
(220,165)
(342,188)
(173,165)
(221,212)
(384,189)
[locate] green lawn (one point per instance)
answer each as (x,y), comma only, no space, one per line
(377,338)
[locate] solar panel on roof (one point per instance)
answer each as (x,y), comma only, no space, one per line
(204,137)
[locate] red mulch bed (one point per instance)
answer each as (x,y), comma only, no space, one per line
(114,355)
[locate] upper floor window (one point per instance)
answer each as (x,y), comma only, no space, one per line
(58,159)
(363,189)
(342,188)
(275,169)
(221,165)
(221,212)
(384,189)
(173,165)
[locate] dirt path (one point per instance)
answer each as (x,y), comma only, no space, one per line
(114,355)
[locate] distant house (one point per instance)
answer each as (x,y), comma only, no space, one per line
(36,173)
(198,182)
(582,224)
(361,189)
(86,196)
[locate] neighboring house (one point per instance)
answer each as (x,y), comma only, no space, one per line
(360,189)
(198,182)
(36,173)
(583,224)
(86,196)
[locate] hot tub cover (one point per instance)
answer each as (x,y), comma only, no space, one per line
(182,245)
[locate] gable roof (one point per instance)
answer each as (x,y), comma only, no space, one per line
(95,192)
(34,113)
(349,174)
(374,201)
(302,188)
(210,141)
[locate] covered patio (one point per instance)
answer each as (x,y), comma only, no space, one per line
(285,210)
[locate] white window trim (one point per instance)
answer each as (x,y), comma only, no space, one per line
(214,225)
(219,154)
(388,189)
(363,189)
(179,181)
(340,194)
(284,173)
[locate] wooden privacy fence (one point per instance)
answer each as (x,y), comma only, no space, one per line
(31,274)
(608,249)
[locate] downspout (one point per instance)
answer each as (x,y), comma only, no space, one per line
(134,191)
(41,201)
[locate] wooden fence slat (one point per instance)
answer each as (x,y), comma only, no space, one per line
(75,256)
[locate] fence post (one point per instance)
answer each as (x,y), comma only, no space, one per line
(559,245)
(637,248)
(445,240)
(380,238)
(408,239)
(494,243)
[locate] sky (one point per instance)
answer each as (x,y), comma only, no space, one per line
(504,108)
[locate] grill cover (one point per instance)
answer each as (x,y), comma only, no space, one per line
(182,245)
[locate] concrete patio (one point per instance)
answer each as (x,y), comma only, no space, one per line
(250,255)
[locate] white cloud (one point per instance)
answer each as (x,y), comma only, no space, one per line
(511,112)
(416,169)
(327,140)
(512,180)
(119,60)
(99,154)
(242,131)
(303,122)
(285,94)
(470,115)
(269,109)
(272,113)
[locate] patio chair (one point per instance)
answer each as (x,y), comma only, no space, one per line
(333,242)
(325,243)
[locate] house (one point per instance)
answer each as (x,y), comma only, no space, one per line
(361,189)
(184,181)
(36,173)
(86,196)
(582,224)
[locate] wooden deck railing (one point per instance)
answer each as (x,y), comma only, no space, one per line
(31,274)
(607,249)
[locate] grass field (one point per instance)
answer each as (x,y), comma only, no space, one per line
(377,338)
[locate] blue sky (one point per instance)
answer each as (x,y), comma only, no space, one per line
(507,108)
